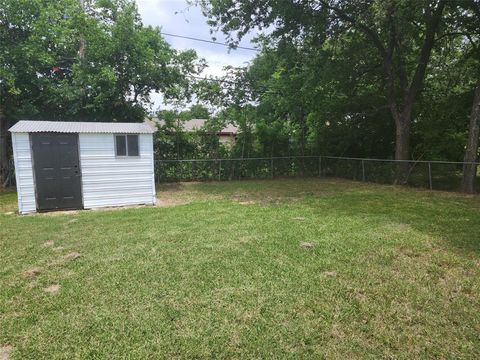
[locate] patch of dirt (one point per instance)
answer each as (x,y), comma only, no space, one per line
(72,256)
(399,227)
(248,202)
(9,213)
(336,331)
(52,289)
(48,243)
(247,239)
(121,207)
(330,273)
(307,245)
(178,186)
(58,213)
(5,351)
(72,221)
(58,248)
(359,294)
(300,218)
(167,202)
(30,273)
(407,252)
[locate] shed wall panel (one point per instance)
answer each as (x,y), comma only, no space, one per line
(108,180)
(24,173)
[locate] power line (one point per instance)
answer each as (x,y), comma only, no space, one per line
(209,41)
(220,81)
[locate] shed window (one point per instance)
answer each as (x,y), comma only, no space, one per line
(126,145)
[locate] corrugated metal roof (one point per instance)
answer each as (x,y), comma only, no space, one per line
(28,126)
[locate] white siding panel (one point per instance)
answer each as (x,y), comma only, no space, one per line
(108,180)
(24,173)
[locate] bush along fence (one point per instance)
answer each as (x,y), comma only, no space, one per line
(434,175)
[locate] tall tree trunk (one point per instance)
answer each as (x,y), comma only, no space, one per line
(392,50)
(470,170)
(403,122)
(3,145)
(83,43)
(401,109)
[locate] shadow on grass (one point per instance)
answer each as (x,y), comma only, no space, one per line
(8,200)
(456,221)
(454,218)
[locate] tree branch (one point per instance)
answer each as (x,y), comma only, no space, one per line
(419,76)
(364,28)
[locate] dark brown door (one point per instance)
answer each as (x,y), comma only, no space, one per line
(57,171)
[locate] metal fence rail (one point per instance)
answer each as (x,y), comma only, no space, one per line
(435,175)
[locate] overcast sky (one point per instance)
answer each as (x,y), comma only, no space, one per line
(176,17)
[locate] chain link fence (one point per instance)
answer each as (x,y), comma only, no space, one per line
(435,175)
(7,175)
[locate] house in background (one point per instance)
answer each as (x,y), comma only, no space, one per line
(226,135)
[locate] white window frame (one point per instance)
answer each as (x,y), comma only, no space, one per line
(126,146)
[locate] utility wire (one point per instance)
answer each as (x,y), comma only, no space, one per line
(221,81)
(209,41)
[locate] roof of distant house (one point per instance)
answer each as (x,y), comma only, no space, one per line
(195,124)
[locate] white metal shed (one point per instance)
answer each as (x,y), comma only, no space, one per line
(82,165)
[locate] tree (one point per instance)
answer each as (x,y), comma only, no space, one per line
(123,63)
(327,103)
(47,71)
(171,141)
(36,47)
(471,151)
(471,25)
(198,111)
(403,34)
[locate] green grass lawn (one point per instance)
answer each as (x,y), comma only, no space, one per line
(218,271)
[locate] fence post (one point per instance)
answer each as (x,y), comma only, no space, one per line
(219,169)
(319,166)
(271,166)
(430,175)
(363,170)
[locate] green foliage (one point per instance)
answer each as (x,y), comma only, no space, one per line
(43,76)
(198,111)
(340,77)
(318,86)
(172,141)
(35,37)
